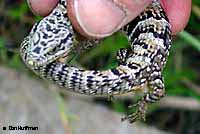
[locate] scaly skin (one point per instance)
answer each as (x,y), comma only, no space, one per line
(150,39)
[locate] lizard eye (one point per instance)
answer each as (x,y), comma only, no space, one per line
(52,51)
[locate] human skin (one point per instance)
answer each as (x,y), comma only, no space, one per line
(110,15)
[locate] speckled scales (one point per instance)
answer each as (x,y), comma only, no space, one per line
(150,39)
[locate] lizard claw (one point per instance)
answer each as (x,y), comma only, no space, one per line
(139,114)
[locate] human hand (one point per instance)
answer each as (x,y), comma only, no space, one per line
(108,16)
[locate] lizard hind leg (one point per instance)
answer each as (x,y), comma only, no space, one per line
(157,91)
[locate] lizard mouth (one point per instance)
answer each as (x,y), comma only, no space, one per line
(35,62)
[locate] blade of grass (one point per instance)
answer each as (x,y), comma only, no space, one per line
(190,39)
(63,115)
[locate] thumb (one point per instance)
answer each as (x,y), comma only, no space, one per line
(100,18)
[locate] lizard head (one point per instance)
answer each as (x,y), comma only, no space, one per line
(49,40)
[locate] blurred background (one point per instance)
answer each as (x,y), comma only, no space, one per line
(25,99)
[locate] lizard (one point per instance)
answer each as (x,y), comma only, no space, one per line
(149,35)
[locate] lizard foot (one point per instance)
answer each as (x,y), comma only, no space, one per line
(139,114)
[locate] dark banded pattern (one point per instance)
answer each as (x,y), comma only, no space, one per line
(140,66)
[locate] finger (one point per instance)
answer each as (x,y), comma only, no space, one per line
(178,13)
(42,7)
(100,18)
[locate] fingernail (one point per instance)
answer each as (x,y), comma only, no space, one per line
(95,22)
(100,18)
